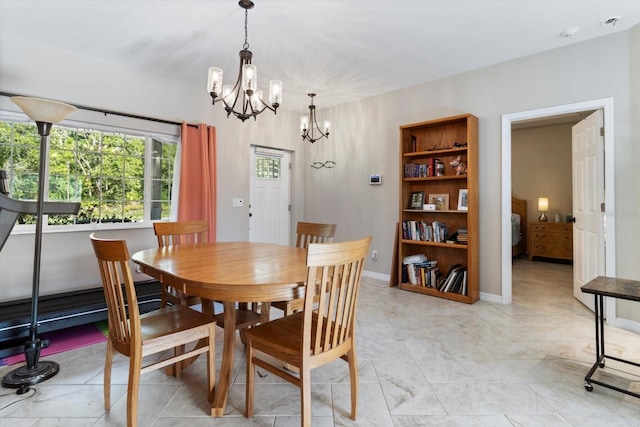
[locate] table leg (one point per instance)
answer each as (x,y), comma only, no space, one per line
(265,310)
(600,314)
(226,368)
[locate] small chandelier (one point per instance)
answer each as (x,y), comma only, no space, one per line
(244,95)
(308,124)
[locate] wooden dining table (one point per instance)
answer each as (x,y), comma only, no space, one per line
(230,272)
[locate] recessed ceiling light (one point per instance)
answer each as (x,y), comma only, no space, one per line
(569,32)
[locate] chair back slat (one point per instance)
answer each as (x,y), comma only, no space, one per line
(310,232)
(336,270)
(119,290)
(180,232)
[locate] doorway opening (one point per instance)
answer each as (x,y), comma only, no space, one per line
(606,104)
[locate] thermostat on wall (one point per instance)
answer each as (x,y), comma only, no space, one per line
(375,179)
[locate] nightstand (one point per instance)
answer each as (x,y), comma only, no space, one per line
(551,240)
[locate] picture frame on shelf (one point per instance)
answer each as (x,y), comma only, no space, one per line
(463,199)
(416,200)
(440,200)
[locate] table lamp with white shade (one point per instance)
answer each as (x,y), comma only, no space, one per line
(543,206)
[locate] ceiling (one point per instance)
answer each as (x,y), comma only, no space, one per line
(344,50)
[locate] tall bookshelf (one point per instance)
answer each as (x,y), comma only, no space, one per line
(422,146)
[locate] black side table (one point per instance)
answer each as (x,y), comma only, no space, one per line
(602,287)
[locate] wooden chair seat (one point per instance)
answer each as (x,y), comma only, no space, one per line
(137,336)
(321,333)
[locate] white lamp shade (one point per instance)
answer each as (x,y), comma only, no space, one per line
(543,204)
(43,110)
(275,92)
(214,83)
(256,99)
(249,77)
(227,94)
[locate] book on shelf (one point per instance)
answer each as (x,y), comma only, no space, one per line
(424,231)
(418,270)
(439,231)
(449,279)
(423,273)
(456,281)
(438,168)
(464,283)
(462,235)
(416,170)
(414,259)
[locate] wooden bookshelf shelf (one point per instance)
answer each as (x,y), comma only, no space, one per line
(436,178)
(426,149)
(436,244)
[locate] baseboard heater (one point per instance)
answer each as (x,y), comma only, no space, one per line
(63,310)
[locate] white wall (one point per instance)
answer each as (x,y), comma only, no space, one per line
(365,140)
(68,262)
(631,176)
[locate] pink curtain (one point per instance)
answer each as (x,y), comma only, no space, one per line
(197,200)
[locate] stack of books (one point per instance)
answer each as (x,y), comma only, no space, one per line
(420,272)
(463,236)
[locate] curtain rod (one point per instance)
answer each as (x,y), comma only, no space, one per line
(115,113)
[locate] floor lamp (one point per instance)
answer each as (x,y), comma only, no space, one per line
(45,113)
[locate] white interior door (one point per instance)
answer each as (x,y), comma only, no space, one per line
(588,203)
(269,196)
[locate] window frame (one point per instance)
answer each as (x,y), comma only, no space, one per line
(149,137)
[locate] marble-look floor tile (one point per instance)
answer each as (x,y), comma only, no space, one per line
(452,421)
(422,361)
(406,390)
(538,420)
(63,422)
(372,408)
(279,400)
(490,398)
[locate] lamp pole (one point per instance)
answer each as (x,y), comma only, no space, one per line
(44,113)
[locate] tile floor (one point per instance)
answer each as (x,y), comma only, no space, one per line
(423,361)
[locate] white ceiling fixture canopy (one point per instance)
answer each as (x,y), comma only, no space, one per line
(244,99)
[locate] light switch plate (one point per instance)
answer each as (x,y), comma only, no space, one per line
(238,203)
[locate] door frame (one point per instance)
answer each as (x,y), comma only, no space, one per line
(606,104)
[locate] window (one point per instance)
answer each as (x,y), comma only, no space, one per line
(267,167)
(118,177)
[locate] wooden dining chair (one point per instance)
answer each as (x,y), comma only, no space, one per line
(307,232)
(175,233)
(318,334)
(159,332)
